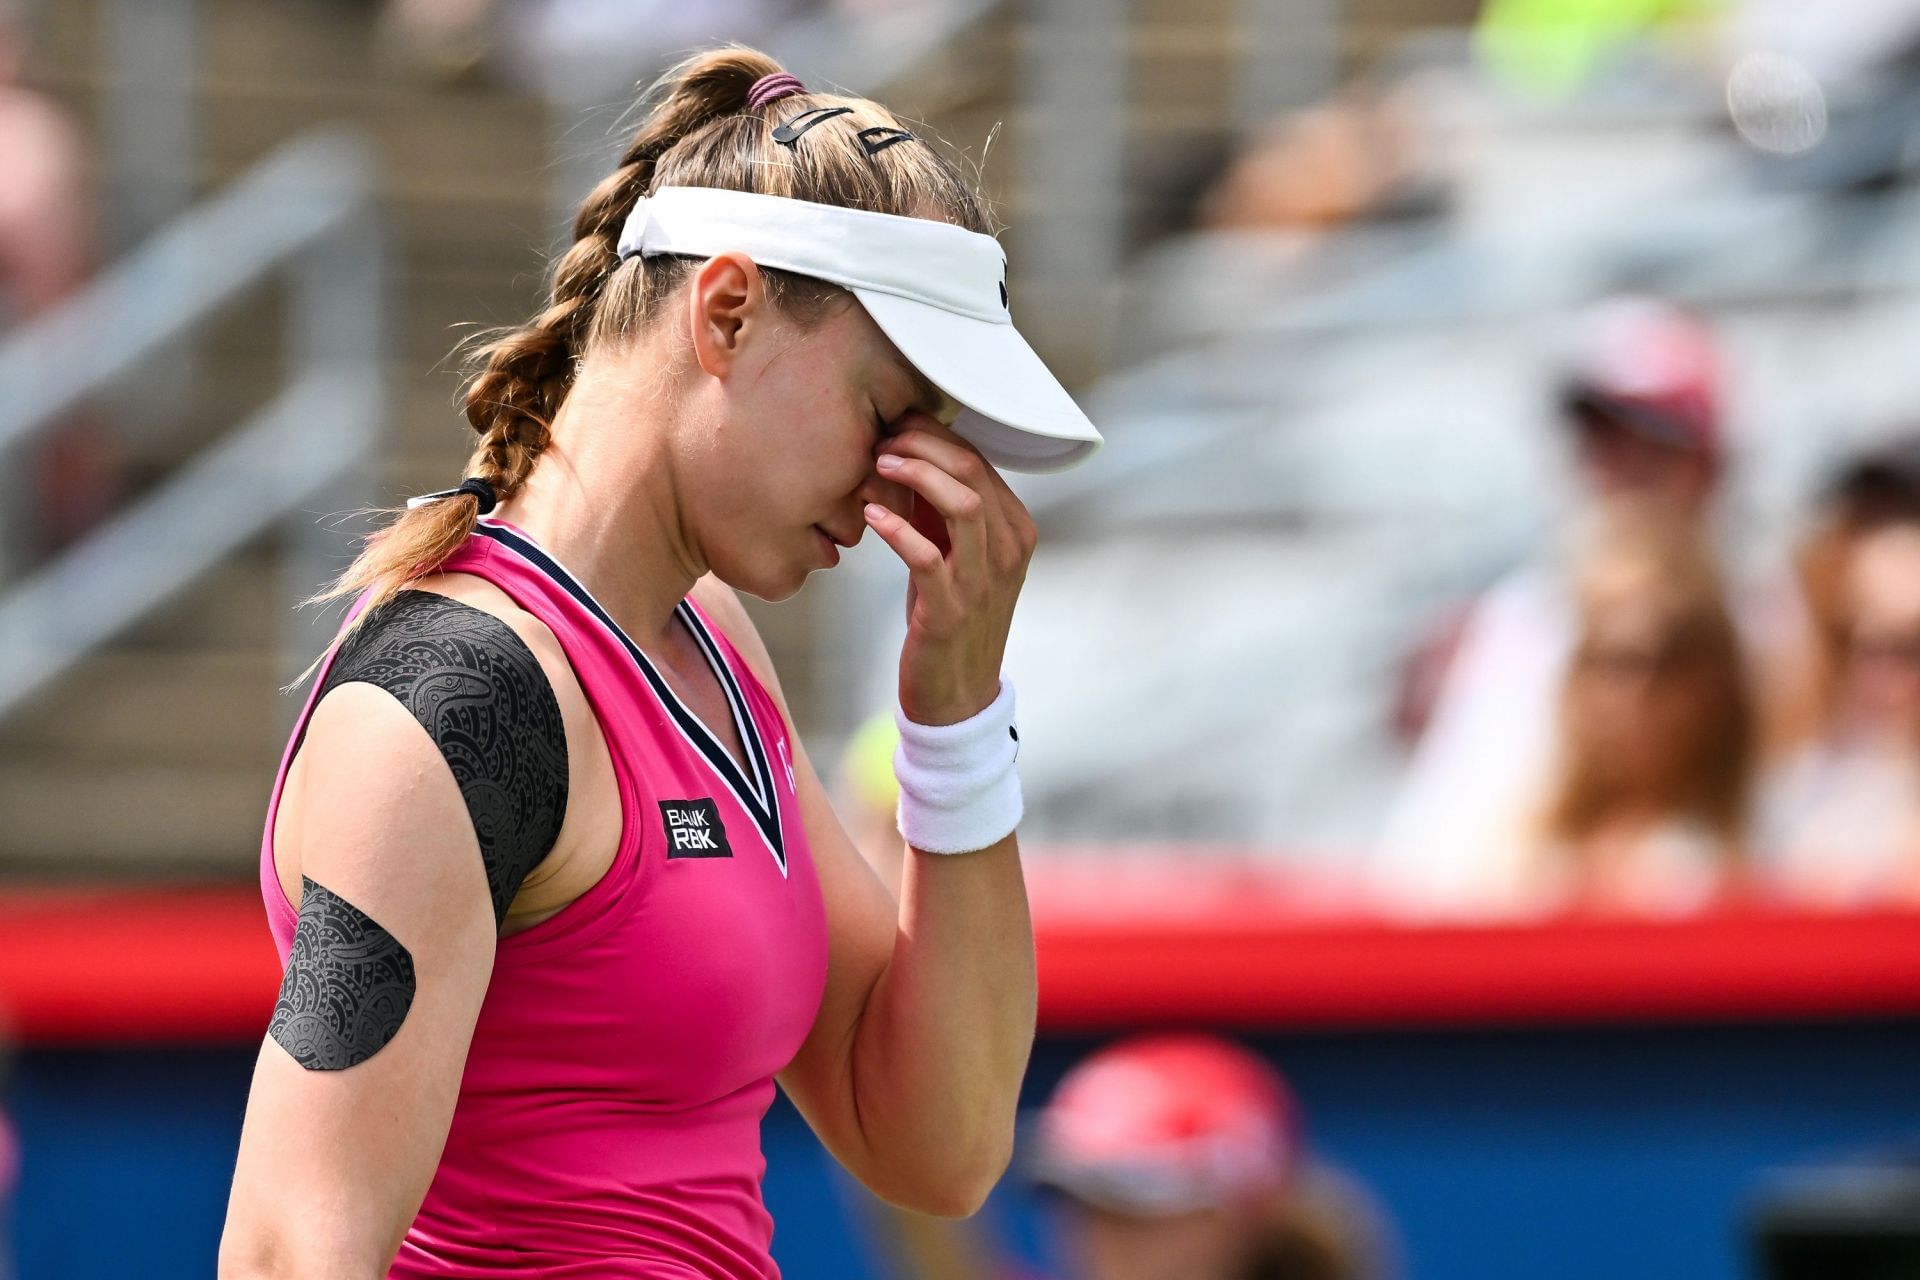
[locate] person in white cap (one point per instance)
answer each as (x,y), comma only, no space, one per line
(546,960)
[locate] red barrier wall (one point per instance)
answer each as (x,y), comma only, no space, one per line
(196,963)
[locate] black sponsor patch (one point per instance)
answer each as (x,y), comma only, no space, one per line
(694,829)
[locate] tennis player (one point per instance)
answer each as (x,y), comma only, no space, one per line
(558,891)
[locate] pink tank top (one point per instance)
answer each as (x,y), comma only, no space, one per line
(608,1122)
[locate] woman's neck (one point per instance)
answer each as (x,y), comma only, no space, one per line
(602,499)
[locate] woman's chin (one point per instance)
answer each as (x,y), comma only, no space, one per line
(791,588)
(783,584)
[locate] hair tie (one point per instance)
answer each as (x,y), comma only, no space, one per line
(474,485)
(771,88)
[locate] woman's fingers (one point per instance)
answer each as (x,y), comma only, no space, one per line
(939,444)
(966,540)
(921,556)
(1010,535)
(959,507)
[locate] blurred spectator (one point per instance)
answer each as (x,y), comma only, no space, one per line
(1641,397)
(1359,154)
(1315,199)
(1877,488)
(1643,798)
(1647,811)
(1181,1157)
(1840,815)
(46,218)
(47,248)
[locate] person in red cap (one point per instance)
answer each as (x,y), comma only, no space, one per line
(1180,1156)
(1640,392)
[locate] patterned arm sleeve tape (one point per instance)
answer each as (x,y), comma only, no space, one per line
(348,986)
(480,693)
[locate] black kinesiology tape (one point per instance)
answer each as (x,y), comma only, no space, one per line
(482,696)
(348,986)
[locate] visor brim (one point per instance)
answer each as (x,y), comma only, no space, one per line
(1013,409)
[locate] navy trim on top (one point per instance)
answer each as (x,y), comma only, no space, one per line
(757,794)
(736,698)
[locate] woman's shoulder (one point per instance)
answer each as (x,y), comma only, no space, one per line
(365,734)
(416,633)
(477,592)
(384,683)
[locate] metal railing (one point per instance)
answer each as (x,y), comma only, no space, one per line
(306,214)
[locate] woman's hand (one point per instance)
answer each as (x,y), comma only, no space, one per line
(966,542)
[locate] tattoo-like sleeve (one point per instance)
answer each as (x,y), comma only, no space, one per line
(348,986)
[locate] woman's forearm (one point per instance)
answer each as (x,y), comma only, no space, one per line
(942,1046)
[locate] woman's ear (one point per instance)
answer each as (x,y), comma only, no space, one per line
(726,303)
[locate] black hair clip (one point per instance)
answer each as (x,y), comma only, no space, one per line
(789,133)
(881,136)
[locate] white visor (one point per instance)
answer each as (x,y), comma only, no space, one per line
(936,290)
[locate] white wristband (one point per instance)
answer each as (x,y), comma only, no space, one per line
(958,789)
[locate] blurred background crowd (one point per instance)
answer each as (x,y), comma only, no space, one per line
(1510,511)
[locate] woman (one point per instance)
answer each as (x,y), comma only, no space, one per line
(1648,811)
(1874,489)
(781,321)
(1840,812)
